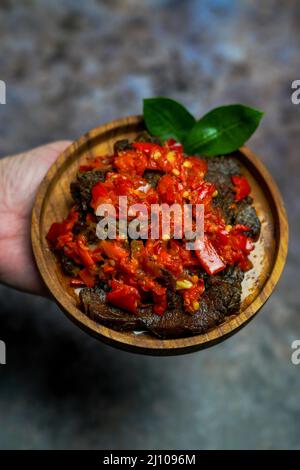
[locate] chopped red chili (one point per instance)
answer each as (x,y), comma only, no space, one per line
(124,296)
(75,282)
(209,257)
(87,277)
(138,272)
(241,187)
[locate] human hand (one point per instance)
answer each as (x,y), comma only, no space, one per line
(20,177)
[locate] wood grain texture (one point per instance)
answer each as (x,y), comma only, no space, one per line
(53,201)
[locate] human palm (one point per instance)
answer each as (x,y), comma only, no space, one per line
(20,177)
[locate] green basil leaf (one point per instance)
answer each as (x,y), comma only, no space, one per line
(222,130)
(165,118)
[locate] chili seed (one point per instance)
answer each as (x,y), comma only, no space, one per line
(183,284)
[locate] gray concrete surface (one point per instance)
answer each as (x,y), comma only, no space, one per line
(70,65)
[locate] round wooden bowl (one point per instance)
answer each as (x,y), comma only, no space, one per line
(53,201)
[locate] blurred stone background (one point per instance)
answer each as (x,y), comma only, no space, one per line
(71,65)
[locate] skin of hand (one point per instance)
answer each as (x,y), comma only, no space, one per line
(20,176)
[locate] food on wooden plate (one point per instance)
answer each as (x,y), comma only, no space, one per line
(158,284)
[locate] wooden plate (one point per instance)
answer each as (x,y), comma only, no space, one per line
(53,201)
